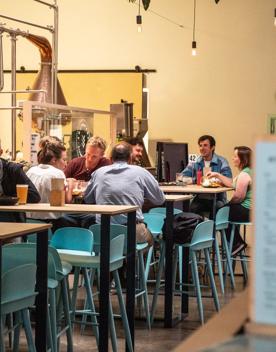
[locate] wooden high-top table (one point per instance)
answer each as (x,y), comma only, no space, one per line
(106,212)
(174,191)
(11,230)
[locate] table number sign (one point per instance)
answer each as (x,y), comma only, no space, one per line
(263,281)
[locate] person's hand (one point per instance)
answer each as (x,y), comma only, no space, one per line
(71,183)
(211,174)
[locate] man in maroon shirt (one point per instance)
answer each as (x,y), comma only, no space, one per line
(81,168)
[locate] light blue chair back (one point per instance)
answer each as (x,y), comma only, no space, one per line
(69,238)
(33,237)
(155,222)
(116,252)
(16,254)
(162,210)
(203,235)
(18,288)
(222,218)
(115,230)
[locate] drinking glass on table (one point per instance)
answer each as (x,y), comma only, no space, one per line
(22,193)
(179,178)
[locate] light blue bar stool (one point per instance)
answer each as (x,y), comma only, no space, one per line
(58,309)
(242,256)
(202,240)
(141,291)
(18,294)
(221,224)
(162,210)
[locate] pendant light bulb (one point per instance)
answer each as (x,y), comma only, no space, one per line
(193,48)
(139,23)
(275,17)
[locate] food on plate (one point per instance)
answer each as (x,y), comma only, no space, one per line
(210,182)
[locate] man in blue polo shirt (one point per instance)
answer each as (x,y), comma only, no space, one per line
(122,183)
(209,160)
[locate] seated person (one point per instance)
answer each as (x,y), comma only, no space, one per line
(241,201)
(52,161)
(10,175)
(208,160)
(124,184)
(137,150)
(82,167)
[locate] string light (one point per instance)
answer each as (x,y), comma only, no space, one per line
(139,19)
(194,41)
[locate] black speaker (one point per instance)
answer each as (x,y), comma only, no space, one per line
(171,158)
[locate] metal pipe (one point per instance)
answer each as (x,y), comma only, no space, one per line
(13,95)
(55,56)
(11,107)
(46,3)
(1,63)
(24,91)
(48,28)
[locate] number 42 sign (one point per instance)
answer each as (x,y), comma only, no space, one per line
(192,158)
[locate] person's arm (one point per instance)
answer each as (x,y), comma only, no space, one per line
(226,181)
(152,190)
(89,194)
(243,181)
(188,171)
(69,190)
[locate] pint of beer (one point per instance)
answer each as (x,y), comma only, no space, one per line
(22,193)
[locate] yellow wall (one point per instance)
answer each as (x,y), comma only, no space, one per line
(227,90)
(94,91)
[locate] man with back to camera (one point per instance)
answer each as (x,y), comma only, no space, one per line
(124,184)
(207,160)
(82,167)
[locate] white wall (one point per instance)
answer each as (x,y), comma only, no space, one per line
(227,90)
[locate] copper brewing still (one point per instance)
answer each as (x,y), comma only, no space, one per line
(44,78)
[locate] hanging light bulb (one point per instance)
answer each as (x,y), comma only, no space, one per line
(275,17)
(139,23)
(139,19)
(194,41)
(193,48)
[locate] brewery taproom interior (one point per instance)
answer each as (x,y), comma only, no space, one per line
(137,176)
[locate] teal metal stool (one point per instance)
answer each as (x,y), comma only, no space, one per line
(18,294)
(162,210)
(242,256)
(21,253)
(141,291)
(202,240)
(221,224)
(84,260)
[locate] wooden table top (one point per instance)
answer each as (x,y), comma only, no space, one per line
(194,189)
(177,197)
(13,229)
(71,208)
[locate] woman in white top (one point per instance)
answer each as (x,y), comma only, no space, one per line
(51,163)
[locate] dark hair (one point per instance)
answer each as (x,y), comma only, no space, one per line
(134,141)
(45,139)
(49,150)
(244,154)
(210,139)
(121,152)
